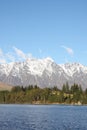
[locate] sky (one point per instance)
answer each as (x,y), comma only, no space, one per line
(43,28)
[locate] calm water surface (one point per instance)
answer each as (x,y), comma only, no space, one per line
(43,117)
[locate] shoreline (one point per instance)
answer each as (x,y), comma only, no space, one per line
(62,104)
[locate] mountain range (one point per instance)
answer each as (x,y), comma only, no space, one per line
(43,72)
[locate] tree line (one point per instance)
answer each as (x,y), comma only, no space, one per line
(35,95)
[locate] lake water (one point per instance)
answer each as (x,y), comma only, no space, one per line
(43,117)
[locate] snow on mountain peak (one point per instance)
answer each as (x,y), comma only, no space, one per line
(38,66)
(35,66)
(71,68)
(49,59)
(43,72)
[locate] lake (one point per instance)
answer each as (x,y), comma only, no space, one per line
(43,117)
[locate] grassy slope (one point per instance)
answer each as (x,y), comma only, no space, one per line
(4,86)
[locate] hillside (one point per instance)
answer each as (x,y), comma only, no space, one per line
(4,86)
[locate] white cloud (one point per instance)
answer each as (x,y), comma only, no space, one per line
(69,50)
(2,61)
(1,53)
(19,53)
(15,55)
(2,57)
(10,57)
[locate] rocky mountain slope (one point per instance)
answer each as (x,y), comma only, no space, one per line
(43,72)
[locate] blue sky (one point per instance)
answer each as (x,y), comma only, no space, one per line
(43,28)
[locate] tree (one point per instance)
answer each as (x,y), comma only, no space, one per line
(65,88)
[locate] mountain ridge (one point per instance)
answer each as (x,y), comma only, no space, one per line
(43,72)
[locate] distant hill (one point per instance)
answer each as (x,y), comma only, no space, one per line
(4,86)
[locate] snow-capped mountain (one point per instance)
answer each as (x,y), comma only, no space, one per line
(43,72)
